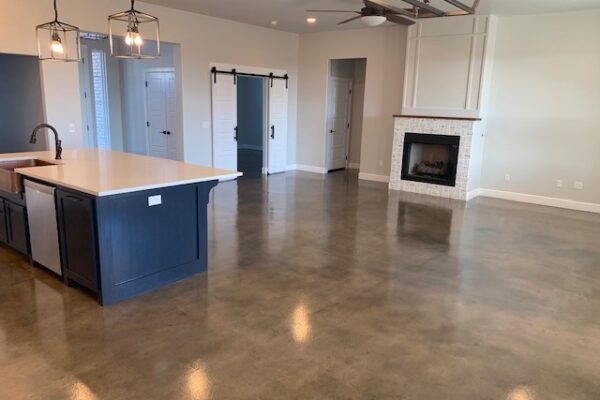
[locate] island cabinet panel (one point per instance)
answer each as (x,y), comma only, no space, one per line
(151,238)
(3,223)
(77,230)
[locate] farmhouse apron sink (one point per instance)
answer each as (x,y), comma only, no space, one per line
(10,181)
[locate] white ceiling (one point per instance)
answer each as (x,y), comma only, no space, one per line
(291,15)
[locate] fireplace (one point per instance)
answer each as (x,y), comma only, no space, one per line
(430,158)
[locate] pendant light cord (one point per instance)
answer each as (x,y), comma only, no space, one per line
(132,3)
(55,12)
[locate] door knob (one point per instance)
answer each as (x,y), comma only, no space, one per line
(168,132)
(164,132)
(331,131)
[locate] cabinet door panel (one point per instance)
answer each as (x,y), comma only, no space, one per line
(77,232)
(18,237)
(3,223)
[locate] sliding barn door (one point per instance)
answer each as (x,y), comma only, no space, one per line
(224,118)
(278,129)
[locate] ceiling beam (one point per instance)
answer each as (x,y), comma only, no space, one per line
(462,6)
(424,6)
(387,6)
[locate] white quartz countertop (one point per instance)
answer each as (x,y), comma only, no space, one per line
(104,173)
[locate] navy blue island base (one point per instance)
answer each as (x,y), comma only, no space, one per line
(123,245)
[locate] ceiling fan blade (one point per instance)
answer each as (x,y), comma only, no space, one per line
(349,20)
(399,19)
(334,11)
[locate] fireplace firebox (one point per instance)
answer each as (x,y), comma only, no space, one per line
(430,158)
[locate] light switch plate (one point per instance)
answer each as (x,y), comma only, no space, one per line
(154,200)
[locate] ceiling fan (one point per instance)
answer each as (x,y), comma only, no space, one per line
(376,12)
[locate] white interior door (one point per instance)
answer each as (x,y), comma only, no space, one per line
(161,111)
(173,133)
(156,114)
(338,122)
(278,129)
(224,120)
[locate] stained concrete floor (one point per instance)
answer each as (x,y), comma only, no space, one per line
(323,288)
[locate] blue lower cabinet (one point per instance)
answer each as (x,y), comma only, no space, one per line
(16,224)
(123,245)
(77,231)
(14,230)
(3,223)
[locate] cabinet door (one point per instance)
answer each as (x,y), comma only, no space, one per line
(3,223)
(18,237)
(78,238)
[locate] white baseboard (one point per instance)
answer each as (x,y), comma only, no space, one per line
(354,165)
(307,168)
(372,177)
(473,193)
(540,200)
(249,147)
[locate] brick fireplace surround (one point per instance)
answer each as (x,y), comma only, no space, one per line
(469,155)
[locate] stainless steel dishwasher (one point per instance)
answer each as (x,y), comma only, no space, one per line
(43,229)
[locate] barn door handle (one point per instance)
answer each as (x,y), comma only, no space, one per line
(236,133)
(272,131)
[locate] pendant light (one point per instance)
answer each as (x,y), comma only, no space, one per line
(58,41)
(137,29)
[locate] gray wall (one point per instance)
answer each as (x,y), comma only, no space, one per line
(21,105)
(385,49)
(544,117)
(250,95)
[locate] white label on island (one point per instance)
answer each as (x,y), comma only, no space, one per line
(154,200)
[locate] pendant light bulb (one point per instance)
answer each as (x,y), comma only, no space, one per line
(56,44)
(133,36)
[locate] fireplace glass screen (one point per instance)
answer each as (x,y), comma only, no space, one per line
(430,158)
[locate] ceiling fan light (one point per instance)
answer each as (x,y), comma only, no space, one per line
(373,20)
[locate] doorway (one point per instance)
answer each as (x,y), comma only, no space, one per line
(345,104)
(250,124)
(128,104)
(235,107)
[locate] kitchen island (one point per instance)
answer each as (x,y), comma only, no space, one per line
(127,223)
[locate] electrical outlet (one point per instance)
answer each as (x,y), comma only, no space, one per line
(507,177)
(578,185)
(559,183)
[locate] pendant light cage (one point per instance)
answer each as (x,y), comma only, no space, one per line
(134,34)
(58,41)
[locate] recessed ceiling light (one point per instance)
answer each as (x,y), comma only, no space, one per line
(273,22)
(311,20)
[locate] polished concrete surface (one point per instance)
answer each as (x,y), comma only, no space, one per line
(325,288)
